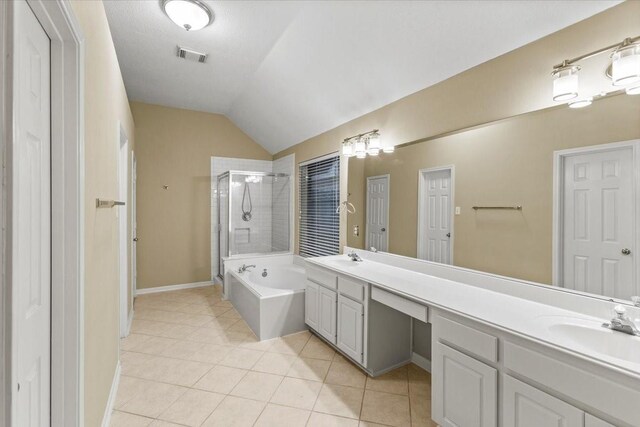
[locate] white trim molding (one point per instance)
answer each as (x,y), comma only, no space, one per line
(558,211)
(106,418)
(422,209)
(421,361)
(169,288)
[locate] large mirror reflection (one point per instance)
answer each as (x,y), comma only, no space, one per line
(550,196)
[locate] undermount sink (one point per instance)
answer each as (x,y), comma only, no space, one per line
(593,337)
(344,263)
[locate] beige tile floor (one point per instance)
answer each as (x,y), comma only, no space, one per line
(192,361)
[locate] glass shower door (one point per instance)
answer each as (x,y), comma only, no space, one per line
(223,220)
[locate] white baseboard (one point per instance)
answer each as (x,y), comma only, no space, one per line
(130,321)
(106,419)
(421,361)
(173,287)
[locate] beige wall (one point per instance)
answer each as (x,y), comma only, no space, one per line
(515,83)
(105,105)
(509,162)
(174,148)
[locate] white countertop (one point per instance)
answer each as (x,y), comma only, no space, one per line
(506,312)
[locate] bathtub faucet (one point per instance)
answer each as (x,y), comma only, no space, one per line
(245,268)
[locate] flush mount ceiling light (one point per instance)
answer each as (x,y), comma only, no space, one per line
(192,15)
(364,144)
(623,71)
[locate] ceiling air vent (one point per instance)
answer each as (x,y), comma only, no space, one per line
(192,55)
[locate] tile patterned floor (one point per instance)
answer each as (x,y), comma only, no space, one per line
(192,361)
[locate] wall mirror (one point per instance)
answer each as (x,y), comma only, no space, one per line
(552,196)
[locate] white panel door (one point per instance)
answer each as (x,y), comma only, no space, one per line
(31,221)
(465,391)
(350,327)
(378,213)
(134,224)
(598,231)
(438,216)
(327,315)
(311,305)
(525,406)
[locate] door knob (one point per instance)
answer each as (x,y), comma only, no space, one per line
(448,234)
(626,251)
(383,229)
(135,239)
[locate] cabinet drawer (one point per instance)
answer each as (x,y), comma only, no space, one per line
(401,304)
(477,342)
(322,276)
(351,288)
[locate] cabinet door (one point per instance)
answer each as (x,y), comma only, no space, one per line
(525,406)
(591,421)
(327,313)
(311,305)
(465,390)
(350,327)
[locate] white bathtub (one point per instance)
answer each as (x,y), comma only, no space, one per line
(270,296)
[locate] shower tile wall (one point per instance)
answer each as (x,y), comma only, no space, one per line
(281,221)
(270,227)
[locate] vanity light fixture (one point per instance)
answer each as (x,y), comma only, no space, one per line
(565,82)
(633,90)
(623,71)
(192,15)
(364,144)
(625,64)
(581,103)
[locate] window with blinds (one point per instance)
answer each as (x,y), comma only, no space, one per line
(319,200)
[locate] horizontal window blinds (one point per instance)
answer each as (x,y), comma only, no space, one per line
(319,199)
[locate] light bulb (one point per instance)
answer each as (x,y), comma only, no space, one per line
(360,148)
(581,103)
(633,90)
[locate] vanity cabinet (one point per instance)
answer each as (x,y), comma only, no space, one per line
(350,327)
(485,377)
(339,309)
(466,390)
(526,406)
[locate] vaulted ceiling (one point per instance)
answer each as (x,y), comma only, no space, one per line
(285,71)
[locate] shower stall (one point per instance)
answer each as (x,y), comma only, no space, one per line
(254,215)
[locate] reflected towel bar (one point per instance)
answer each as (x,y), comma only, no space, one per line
(509,208)
(101,203)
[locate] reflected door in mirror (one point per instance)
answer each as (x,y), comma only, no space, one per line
(378,212)
(598,222)
(436,202)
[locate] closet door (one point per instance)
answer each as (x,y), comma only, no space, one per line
(327,314)
(350,327)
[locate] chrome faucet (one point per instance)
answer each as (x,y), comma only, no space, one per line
(354,256)
(622,323)
(245,268)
